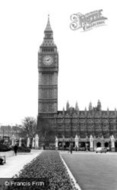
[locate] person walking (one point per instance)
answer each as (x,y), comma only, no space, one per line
(15,149)
(70,148)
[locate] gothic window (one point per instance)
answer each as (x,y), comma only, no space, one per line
(67,127)
(97,127)
(97,121)
(90,127)
(105,127)
(67,121)
(48,49)
(82,127)
(113,127)
(74,121)
(90,121)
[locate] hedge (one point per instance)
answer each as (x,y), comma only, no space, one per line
(24,149)
(4,147)
(47,165)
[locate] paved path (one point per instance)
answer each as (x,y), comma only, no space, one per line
(93,171)
(15,163)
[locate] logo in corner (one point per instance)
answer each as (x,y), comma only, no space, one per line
(87,21)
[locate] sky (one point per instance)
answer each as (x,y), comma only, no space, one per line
(87,60)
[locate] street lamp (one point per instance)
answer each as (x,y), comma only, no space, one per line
(71,140)
(71,124)
(63,144)
(3,132)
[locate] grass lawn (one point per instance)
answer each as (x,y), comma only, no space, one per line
(93,171)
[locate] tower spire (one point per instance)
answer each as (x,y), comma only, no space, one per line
(48,26)
(48,40)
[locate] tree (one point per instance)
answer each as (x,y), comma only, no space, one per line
(16,130)
(29,127)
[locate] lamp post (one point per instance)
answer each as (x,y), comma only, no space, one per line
(63,144)
(71,140)
(71,124)
(3,132)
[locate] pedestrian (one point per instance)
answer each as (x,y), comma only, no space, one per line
(70,148)
(44,147)
(15,149)
(76,148)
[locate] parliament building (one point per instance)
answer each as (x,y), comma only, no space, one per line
(85,129)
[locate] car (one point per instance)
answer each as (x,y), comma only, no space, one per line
(100,150)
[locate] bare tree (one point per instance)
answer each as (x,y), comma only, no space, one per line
(29,127)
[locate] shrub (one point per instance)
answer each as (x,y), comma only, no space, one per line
(23,149)
(4,147)
(47,165)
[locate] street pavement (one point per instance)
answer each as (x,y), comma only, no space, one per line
(15,163)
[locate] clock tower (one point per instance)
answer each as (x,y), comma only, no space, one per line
(48,74)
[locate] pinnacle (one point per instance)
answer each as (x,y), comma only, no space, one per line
(48,26)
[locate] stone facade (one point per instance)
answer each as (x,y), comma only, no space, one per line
(6,132)
(101,125)
(88,128)
(48,73)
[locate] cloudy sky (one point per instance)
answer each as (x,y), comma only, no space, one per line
(87,60)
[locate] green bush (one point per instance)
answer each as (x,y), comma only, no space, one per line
(47,165)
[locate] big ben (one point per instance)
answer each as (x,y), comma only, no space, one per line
(48,74)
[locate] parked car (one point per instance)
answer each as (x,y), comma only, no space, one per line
(101,150)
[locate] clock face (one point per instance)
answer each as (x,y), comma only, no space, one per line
(47,60)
